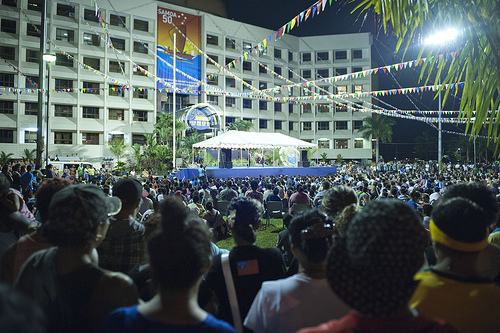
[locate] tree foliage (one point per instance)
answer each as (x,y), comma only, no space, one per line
(240,125)
(5,158)
(117,148)
(378,127)
(29,155)
(475,55)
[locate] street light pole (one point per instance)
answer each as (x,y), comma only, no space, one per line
(41,81)
(440,140)
(48,58)
(173,102)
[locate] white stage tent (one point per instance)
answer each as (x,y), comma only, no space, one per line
(252,140)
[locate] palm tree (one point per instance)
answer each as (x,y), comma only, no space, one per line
(29,155)
(5,158)
(117,147)
(475,56)
(425,144)
(378,127)
(240,125)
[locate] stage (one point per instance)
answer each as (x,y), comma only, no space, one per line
(255,171)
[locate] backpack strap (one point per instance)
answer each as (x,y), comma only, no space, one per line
(231,293)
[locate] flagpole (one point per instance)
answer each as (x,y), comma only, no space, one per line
(173,103)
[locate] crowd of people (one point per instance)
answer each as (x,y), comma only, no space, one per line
(368,249)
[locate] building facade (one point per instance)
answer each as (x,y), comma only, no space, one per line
(94,110)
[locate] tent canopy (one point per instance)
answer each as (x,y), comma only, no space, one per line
(252,140)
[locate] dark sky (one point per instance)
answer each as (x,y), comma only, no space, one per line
(337,19)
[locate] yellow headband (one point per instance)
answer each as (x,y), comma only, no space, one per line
(439,236)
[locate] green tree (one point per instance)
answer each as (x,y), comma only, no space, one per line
(5,158)
(117,148)
(324,157)
(476,53)
(425,145)
(163,128)
(137,155)
(378,127)
(29,155)
(240,125)
(186,147)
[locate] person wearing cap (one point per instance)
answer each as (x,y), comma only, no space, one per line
(465,267)
(249,265)
(65,280)
(304,299)
(123,247)
(371,269)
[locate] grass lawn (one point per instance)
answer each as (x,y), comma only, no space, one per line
(265,237)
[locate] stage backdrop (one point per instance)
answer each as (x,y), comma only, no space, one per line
(188,58)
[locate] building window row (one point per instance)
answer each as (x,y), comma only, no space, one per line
(326,55)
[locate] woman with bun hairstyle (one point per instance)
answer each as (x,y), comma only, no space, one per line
(304,299)
(341,204)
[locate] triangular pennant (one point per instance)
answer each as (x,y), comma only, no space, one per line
(308,12)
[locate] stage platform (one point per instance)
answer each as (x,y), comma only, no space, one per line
(256,171)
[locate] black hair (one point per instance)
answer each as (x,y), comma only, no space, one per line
(315,248)
(209,205)
(276,191)
(45,193)
(254,184)
(337,198)
(4,184)
(248,215)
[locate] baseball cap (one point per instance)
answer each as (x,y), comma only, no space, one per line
(128,190)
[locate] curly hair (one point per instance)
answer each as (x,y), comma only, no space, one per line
(336,198)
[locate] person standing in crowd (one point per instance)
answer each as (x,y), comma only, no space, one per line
(65,280)
(372,269)
(17,180)
(123,247)
(304,299)
(249,264)
(29,181)
(179,255)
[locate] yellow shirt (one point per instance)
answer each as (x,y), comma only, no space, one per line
(468,306)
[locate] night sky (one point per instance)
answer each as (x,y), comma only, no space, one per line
(337,19)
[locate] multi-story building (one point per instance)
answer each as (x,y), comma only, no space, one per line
(83,120)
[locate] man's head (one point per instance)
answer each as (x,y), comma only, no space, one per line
(129,190)
(245,216)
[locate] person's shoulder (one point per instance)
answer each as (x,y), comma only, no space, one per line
(213,324)
(117,285)
(118,320)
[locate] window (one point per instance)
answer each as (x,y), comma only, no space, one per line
(262,68)
(230,43)
(357,124)
(290,56)
(8,52)
(139,72)
(140,115)
(306,56)
(262,85)
(10,3)
(249,82)
(340,125)
(290,108)
(91,88)
(322,56)
(277,107)
(140,48)
(290,74)
(6,107)
(35,5)
(31,82)
(6,136)
(341,107)
(114,67)
(262,105)
(120,137)
(324,144)
(247,103)
(340,55)
(214,58)
(357,88)
(62,60)
(116,90)
(29,136)
(92,62)
(90,112)
(357,54)
(63,138)
(341,89)
(65,35)
(213,80)
(277,53)
(262,123)
(306,73)
(8,26)
(247,66)
(116,114)
(230,120)
(277,70)
(263,52)
(89,15)
(306,108)
(323,108)
(141,93)
(141,25)
(278,124)
(91,39)
(117,20)
(247,46)
(90,138)
(290,125)
(229,60)
(323,125)
(61,110)
(341,143)
(64,84)
(213,100)
(212,40)
(357,69)
(340,71)
(6,80)
(358,143)
(230,102)
(32,56)
(33,30)
(65,10)
(31,109)
(322,73)
(306,126)
(140,139)
(118,43)
(230,82)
